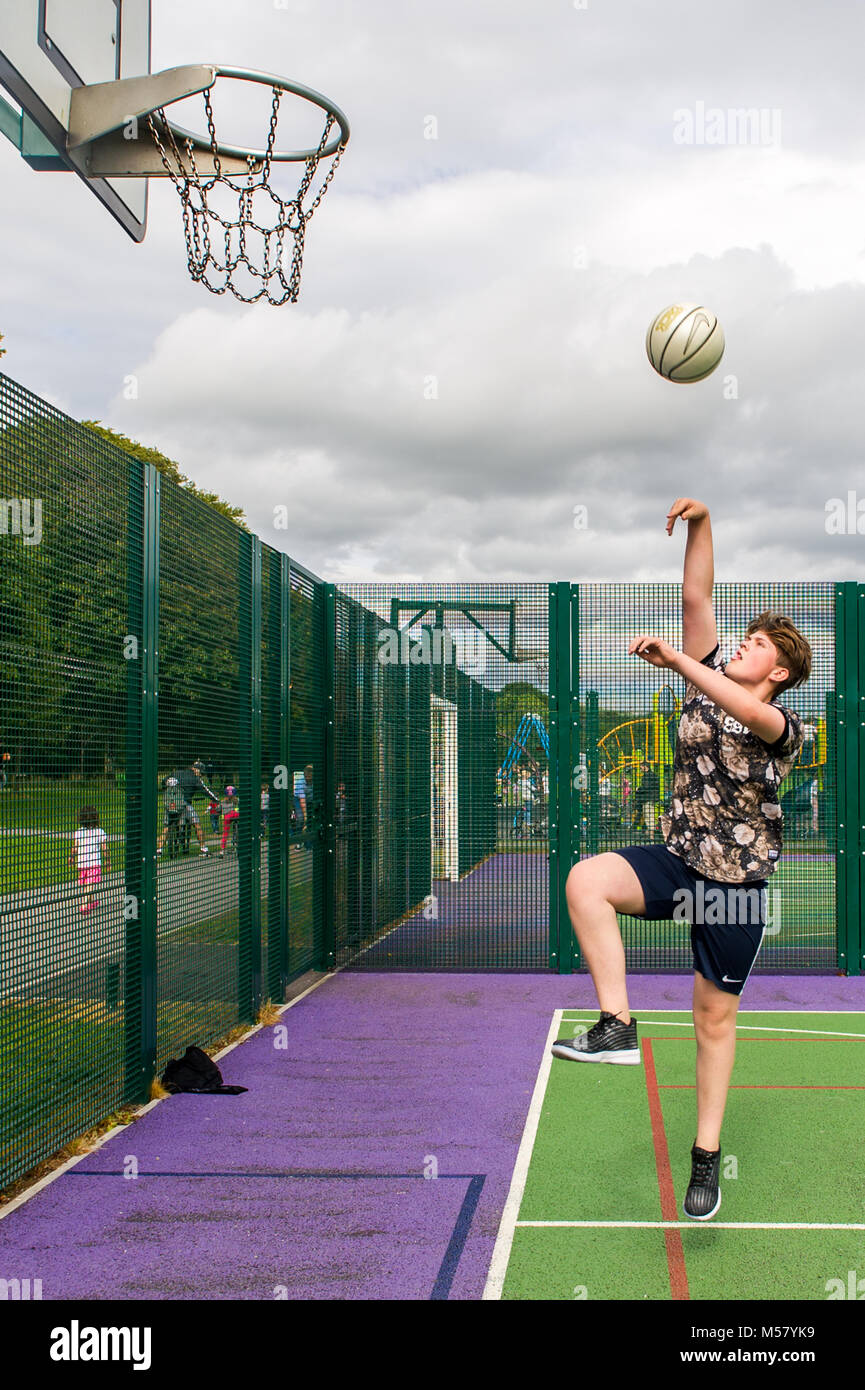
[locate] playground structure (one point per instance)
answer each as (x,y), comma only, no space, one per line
(506,777)
(615,770)
(614,765)
(626,747)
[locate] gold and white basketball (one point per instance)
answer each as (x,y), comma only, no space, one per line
(685,342)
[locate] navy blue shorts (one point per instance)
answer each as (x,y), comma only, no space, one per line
(727,919)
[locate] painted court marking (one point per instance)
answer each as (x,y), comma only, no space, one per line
(669,1210)
(750,1027)
(507,1226)
(714,1225)
(670,1225)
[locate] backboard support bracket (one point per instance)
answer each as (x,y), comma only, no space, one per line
(104,138)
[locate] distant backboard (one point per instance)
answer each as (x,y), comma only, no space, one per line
(47,47)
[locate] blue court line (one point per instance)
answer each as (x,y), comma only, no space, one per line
(459,1235)
(448,1267)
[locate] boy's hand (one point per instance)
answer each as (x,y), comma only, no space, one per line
(688,508)
(654,650)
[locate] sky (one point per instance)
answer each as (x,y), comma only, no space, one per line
(462,391)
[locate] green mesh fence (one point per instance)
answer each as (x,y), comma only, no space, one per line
(67,514)
(443,753)
(203,679)
(285,776)
(308,724)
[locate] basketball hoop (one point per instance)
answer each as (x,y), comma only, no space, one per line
(217,247)
(247,252)
(539,658)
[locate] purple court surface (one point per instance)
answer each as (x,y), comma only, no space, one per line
(318,1182)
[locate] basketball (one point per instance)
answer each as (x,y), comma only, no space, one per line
(685,342)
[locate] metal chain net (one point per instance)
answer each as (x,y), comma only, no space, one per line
(246,254)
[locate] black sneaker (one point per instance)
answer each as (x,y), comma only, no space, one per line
(703,1197)
(608,1041)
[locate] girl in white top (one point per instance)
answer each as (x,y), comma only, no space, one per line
(89,848)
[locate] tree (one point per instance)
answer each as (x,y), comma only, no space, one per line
(169,468)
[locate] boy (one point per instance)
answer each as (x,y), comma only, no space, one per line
(722,836)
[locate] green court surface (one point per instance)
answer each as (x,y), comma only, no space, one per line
(595,1207)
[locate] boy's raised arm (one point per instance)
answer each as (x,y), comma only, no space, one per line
(699,630)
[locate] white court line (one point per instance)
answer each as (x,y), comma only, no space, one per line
(725,1225)
(740,1027)
(504,1240)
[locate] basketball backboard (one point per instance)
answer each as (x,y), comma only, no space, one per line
(47,47)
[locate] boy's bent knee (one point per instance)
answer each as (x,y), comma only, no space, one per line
(606,878)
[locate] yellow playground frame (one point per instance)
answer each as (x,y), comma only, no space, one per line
(651,739)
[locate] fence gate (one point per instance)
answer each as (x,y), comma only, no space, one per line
(445,771)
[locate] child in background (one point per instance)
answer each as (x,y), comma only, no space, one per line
(89,844)
(230,814)
(214,809)
(265,806)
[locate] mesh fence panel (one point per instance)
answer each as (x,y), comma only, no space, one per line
(442,750)
(63,696)
(307,743)
(200,708)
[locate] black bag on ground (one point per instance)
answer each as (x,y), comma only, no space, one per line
(197,1072)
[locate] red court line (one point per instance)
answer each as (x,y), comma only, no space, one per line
(672,1237)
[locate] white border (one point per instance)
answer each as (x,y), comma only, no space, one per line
(714,1225)
(743,1027)
(504,1240)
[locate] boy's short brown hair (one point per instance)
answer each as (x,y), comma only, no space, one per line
(794,651)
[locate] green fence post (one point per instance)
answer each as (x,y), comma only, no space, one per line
(328,810)
(576,770)
(561,946)
(847,809)
(368,790)
(249,756)
(831,799)
(142,746)
(286,800)
(275,767)
(859,723)
(593,733)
